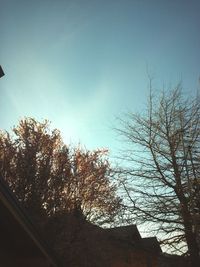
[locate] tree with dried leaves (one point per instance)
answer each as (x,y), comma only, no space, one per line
(89,187)
(161,179)
(49,178)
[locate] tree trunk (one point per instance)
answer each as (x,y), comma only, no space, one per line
(193,248)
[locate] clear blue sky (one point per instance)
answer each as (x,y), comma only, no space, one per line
(80,63)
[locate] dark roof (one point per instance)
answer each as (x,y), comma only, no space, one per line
(152,244)
(130,235)
(18,234)
(127,233)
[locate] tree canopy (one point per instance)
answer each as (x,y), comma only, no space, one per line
(49,177)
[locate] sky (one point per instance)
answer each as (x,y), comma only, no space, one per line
(82,63)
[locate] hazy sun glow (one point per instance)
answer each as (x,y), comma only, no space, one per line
(81,63)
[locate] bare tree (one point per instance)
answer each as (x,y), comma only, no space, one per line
(162,174)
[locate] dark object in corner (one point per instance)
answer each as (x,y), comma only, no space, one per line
(20,243)
(1,72)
